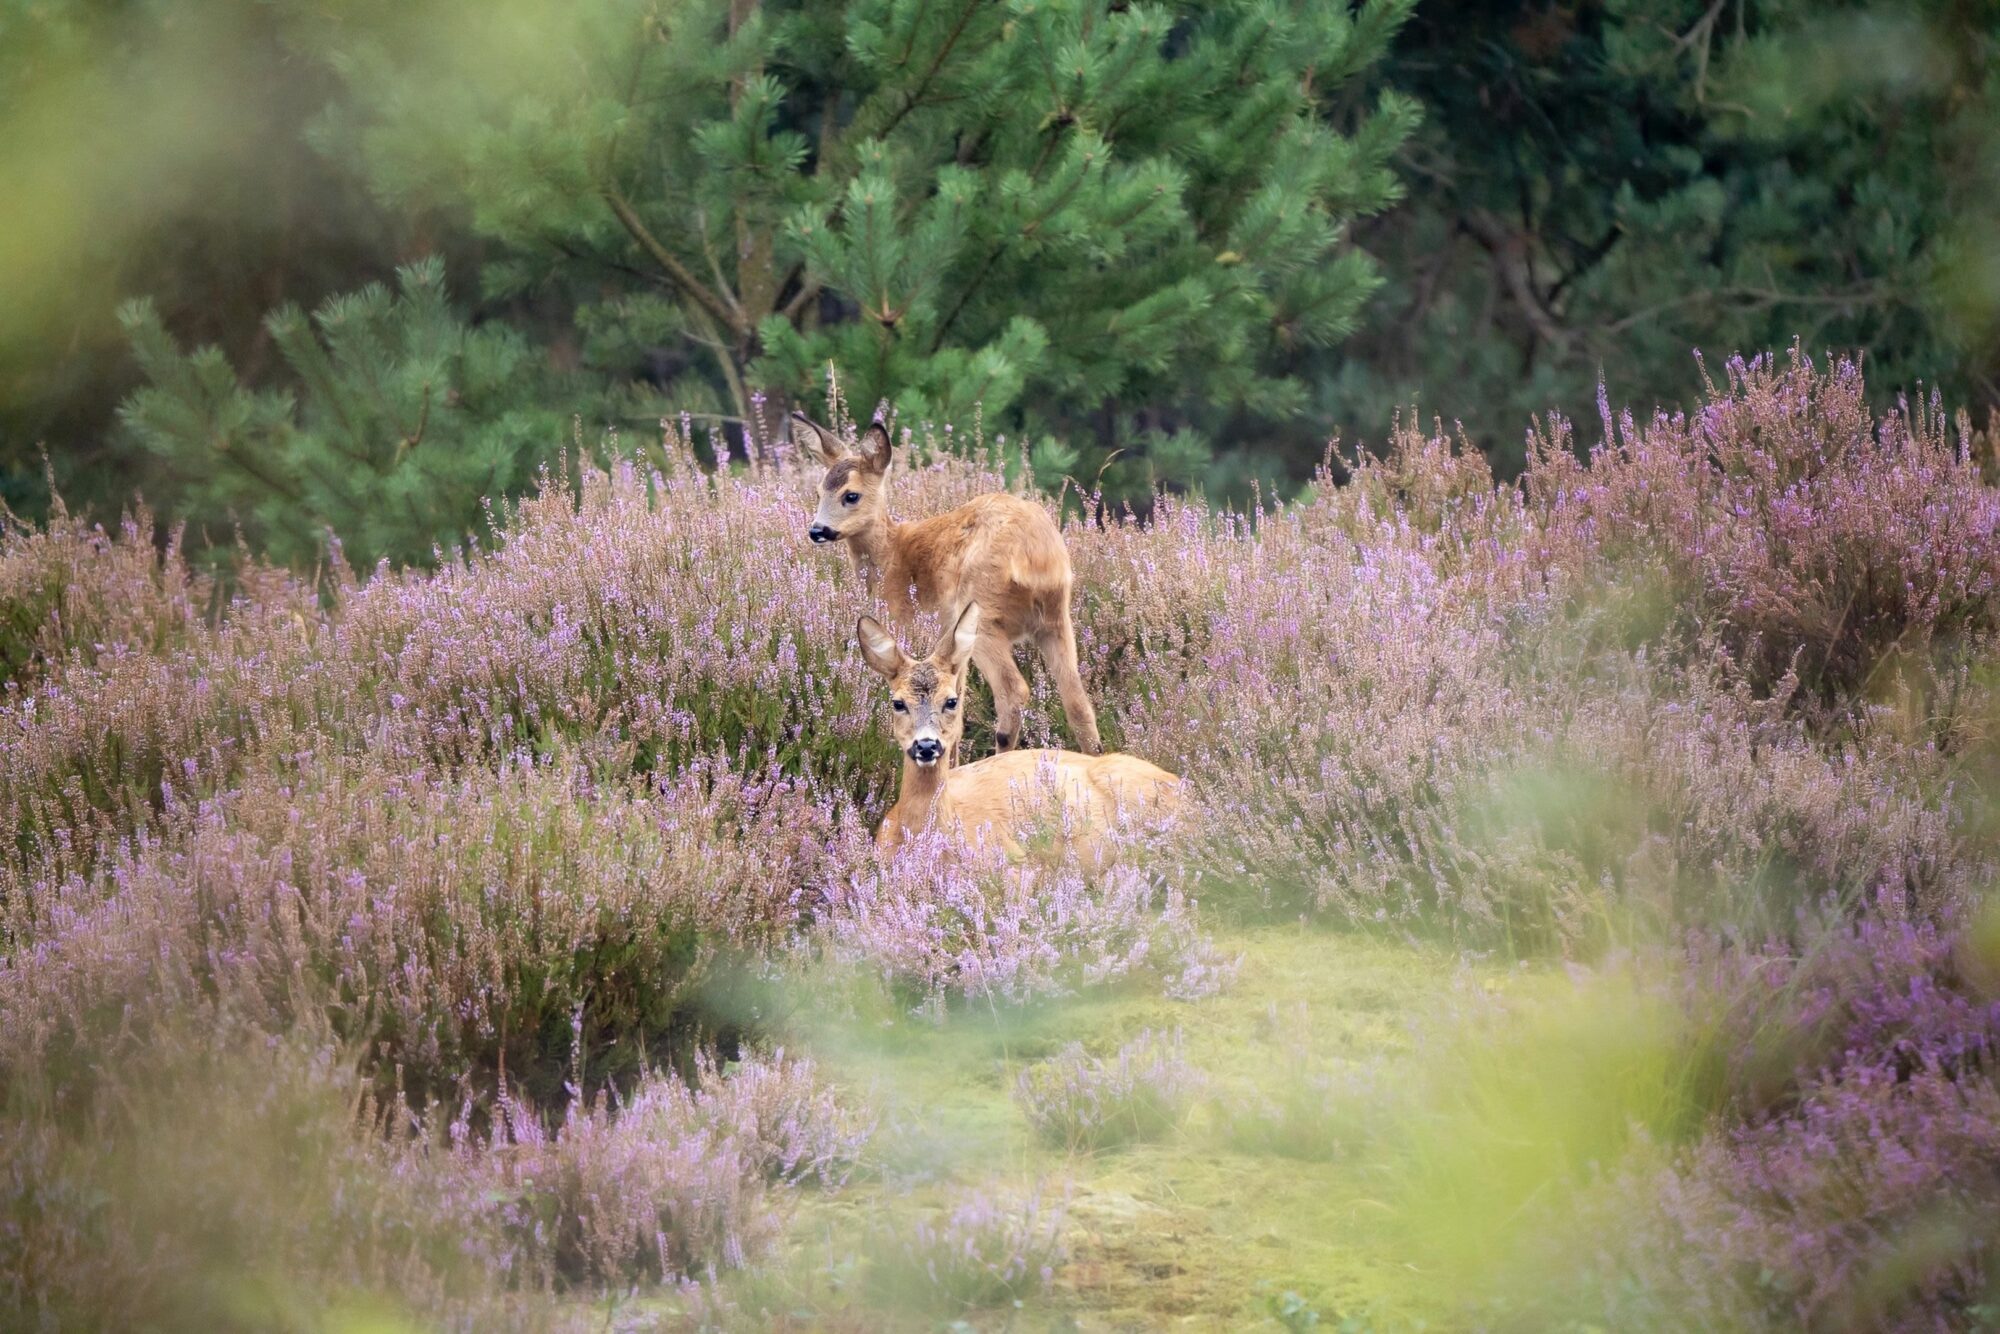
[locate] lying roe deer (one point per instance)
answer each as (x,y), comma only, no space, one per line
(997,552)
(995,797)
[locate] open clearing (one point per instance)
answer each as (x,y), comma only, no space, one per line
(1188,1232)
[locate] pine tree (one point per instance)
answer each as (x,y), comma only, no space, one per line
(1600,189)
(397,423)
(1116,224)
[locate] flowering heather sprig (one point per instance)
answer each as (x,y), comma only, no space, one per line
(984,1249)
(1083,1102)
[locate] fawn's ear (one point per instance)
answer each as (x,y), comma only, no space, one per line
(875,446)
(878,647)
(811,437)
(955,645)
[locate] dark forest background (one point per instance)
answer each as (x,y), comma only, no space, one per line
(284,267)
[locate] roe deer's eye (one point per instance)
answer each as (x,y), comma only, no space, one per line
(851,498)
(899,706)
(951,704)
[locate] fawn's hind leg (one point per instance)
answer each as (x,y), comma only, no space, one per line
(1058,646)
(993,655)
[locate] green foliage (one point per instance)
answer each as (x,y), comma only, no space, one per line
(1602,188)
(1137,234)
(397,422)
(152,147)
(1113,223)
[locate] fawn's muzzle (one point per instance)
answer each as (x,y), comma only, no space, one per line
(927,750)
(819,532)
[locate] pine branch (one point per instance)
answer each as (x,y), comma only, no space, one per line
(993,256)
(916,97)
(911,98)
(676,272)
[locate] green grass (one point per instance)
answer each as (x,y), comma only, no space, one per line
(1185,1230)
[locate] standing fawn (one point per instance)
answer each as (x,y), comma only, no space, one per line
(997,552)
(996,797)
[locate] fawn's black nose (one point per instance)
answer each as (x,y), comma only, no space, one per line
(927,750)
(819,532)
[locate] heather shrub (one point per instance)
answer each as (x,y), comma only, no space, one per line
(1080,1102)
(70,588)
(1147,596)
(1325,719)
(1680,798)
(937,923)
(670,1183)
(667,615)
(1769,819)
(1789,524)
(1854,1187)
(1334,675)
(106,741)
(96,752)
(797,1128)
(450,927)
(984,1249)
(1442,745)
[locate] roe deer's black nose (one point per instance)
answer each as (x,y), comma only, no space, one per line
(926,751)
(819,532)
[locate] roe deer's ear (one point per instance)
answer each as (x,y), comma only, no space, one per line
(879,647)
(955,645)
(808,435)
(875,446)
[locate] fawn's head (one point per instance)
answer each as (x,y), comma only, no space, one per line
(854,492)
(926,715)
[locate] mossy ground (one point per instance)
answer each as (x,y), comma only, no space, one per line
(1190,1232)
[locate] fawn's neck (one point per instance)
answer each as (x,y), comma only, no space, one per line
(922,797)
(873,548)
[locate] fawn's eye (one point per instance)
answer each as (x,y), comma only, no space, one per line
(951,704)
(851,498)
(899,706)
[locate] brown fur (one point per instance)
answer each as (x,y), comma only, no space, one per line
(1002,799)
(997,552)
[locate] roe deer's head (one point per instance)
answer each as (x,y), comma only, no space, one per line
(926,717)
(853,493)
